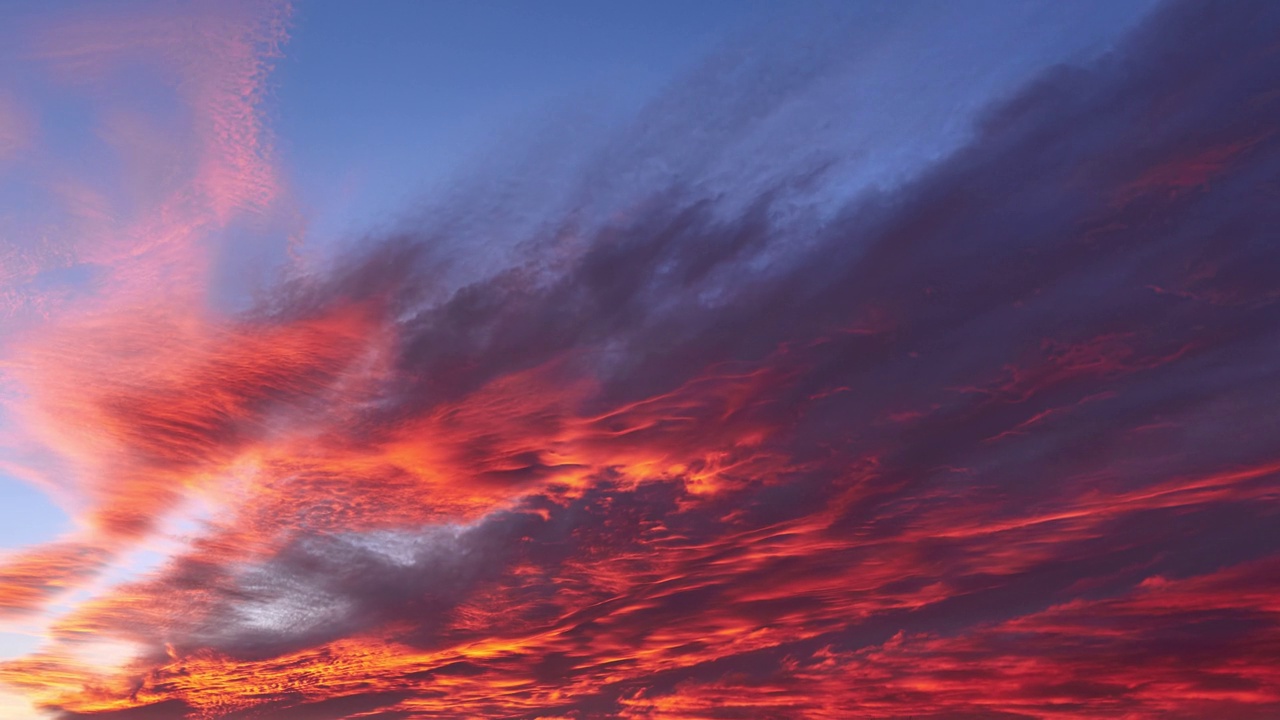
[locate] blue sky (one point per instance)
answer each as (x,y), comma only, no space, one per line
(27,515)
(374,109)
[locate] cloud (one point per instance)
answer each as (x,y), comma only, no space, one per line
(221,53)
(28,579)
(1144,652)
(994,442)
(137,199)
(15,128)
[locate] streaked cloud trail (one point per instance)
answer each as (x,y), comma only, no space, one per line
(747,431)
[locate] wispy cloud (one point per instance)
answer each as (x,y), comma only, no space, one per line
(991,441)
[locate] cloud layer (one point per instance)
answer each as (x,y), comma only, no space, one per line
(993,441)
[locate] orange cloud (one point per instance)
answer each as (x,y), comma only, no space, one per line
(951,459)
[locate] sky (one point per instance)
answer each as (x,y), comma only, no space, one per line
(663,360)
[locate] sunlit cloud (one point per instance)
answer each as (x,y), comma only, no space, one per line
(980,431)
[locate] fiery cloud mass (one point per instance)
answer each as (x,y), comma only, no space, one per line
(884,360)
